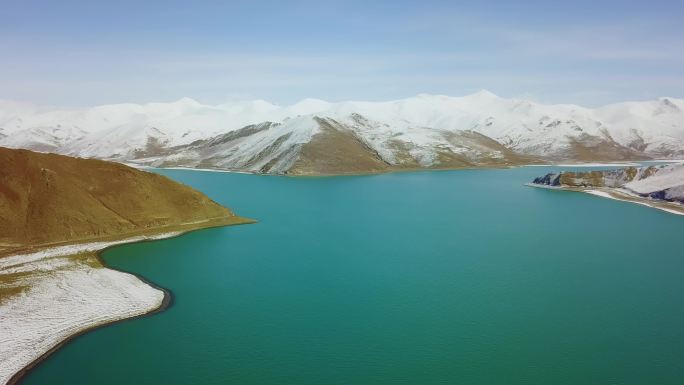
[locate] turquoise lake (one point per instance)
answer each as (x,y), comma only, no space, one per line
(453,277)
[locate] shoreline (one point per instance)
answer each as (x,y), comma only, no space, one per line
(617,195)
(352,173)
(631,163)
(116,239)
(166,301)
(637,200)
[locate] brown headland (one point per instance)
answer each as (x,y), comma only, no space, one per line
(50,199)
(56,213)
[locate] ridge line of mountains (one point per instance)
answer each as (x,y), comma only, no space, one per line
(314,137)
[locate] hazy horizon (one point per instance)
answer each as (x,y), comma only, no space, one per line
(49,106)
(79,53)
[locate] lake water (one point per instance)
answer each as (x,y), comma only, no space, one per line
(455,277)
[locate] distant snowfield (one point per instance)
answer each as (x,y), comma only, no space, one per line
(64,296)
(417,130)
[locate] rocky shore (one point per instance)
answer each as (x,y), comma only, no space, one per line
(659,186)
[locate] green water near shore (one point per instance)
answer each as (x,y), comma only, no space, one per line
(459,277)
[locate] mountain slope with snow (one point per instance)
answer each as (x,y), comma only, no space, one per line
(315,136)
(660,186)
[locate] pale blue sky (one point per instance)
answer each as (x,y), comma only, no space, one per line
(74,53)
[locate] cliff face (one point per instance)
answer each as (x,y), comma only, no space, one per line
(46,198)
(609,178)
(663,182)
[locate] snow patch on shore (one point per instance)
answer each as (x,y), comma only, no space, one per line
(64,296)
(203,169)
(598,165)
(639,202)
(21,262)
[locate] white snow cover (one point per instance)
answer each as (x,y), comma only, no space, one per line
(21,262)
(660,186)
(667,177)
(628,164)
(113,131)
(605,194)
(63,297)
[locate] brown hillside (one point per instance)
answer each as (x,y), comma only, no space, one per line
(336,150)
(48,198)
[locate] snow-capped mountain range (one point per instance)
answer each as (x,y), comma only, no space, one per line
(318,137)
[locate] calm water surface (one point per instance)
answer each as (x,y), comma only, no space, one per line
(463,277)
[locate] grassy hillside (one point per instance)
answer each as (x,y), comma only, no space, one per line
(48,198)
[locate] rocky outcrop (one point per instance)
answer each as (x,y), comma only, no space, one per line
(551,179)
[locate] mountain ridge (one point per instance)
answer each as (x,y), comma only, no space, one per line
(425,131)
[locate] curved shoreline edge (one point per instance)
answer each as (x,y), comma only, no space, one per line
(166,302)
(667,207)
(640,201)
(399,170)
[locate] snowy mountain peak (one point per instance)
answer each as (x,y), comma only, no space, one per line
(484,94)
(669,105)
(421,131)
(431,97)
(188,102)
(309,106)
(185,102)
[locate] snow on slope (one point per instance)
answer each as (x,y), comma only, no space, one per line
(272,146)
(658,125)
(63,296)
(668,179)
(116,129)
(663,182)
(421,125)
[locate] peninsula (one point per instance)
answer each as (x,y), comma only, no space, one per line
(660,186)
(56,213)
